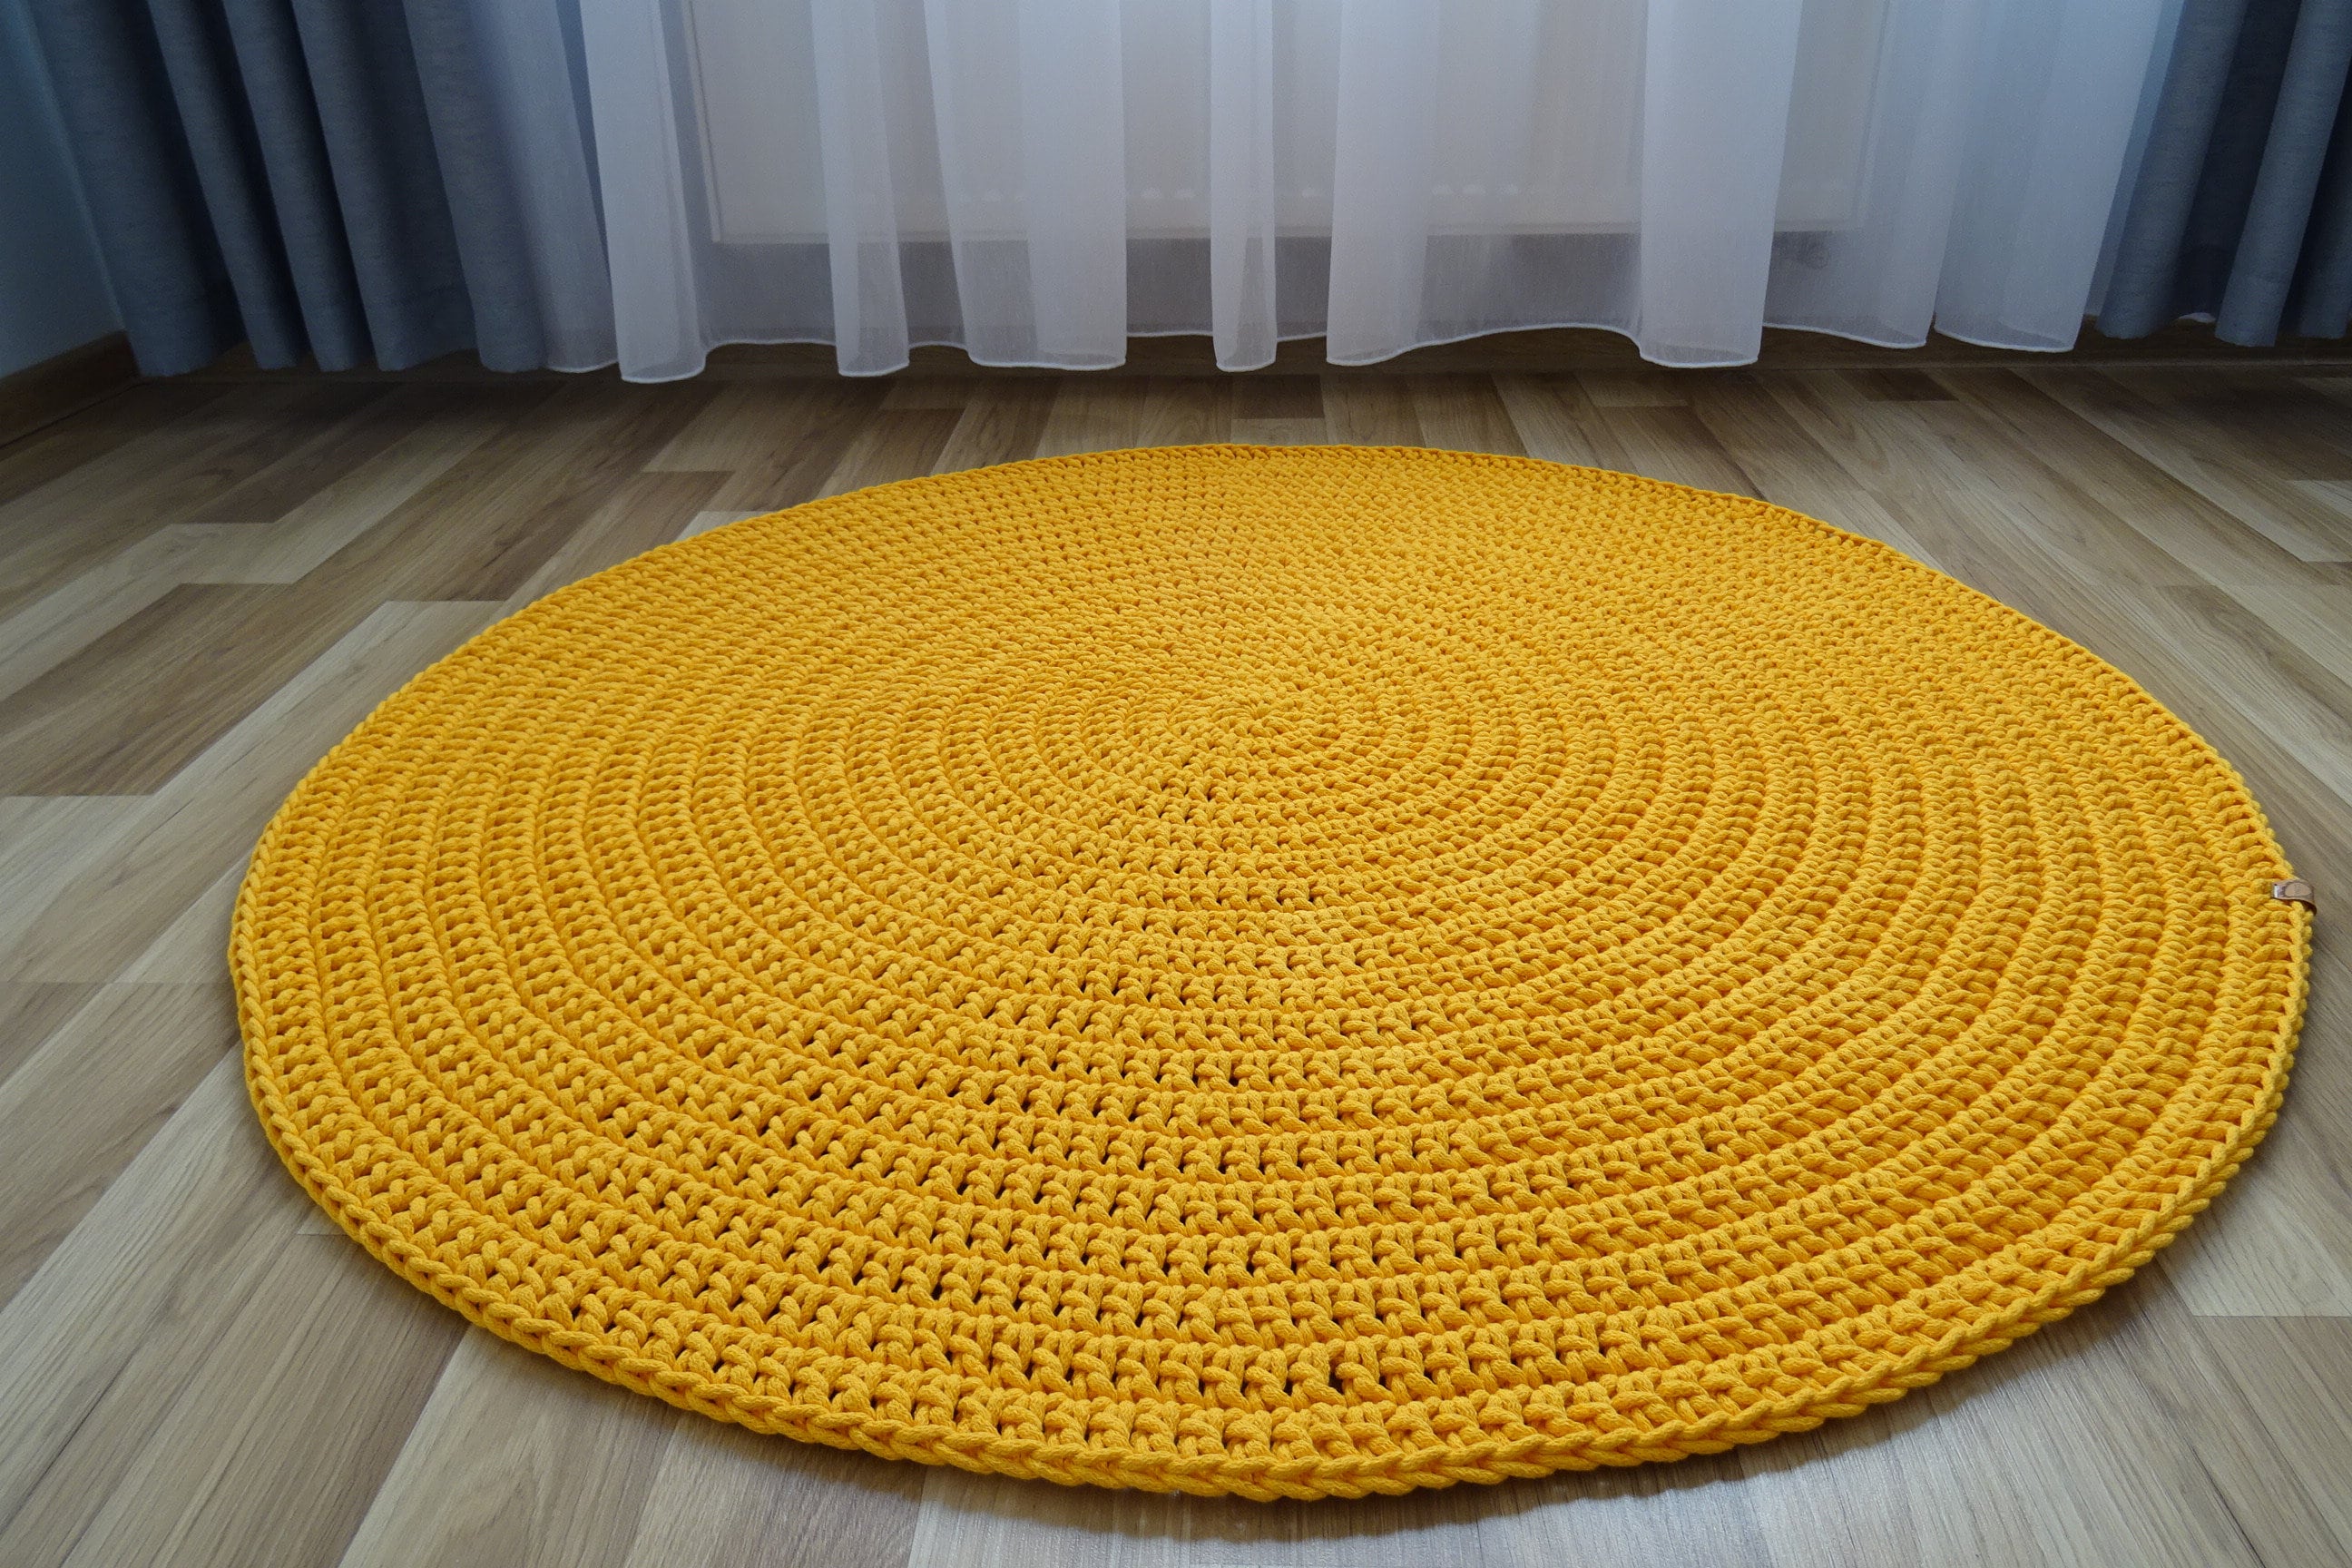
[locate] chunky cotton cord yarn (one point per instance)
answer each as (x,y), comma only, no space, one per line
(1293,973)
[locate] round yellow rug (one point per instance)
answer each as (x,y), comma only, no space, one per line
(1285,972)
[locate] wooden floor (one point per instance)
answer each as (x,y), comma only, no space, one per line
(204,584)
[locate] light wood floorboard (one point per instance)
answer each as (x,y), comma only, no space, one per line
(203,585)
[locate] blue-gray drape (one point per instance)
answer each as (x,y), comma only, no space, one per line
(320,177)
(2243,210)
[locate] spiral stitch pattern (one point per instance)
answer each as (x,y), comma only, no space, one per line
(1283,972)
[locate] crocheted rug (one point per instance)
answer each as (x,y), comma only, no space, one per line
(1284,972)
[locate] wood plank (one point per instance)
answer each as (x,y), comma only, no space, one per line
(1987,546)
(2272,428)
(48,847)
(1420,1527)
(1371,411)
(1843,1495)
(892,445)
(273,1449)
(2282,682)
(194,948)
(2299,522)
(741,424)
(131,708)
(1556,421)
(704,521)
(1918,451)
(516,1462)
(1266,396)
(2068,1461)
(166,473)
(1673,444)
(2052,1452)
(1002,423)
(2333,500)
(60,530)
(2184,1419)
(82,1106)
(41,395)
(1650,387)
(2330,382)
(2282,1447)
(1282,432)
(1463,412)
(123,1315)
(1896,385)
(2213,543)
(988,1521)
(1790,467)
(2273,1244)
(35,638)
(349,503)
(1694,1510)
(725,1498)
(393,413)
(481,528)
(1186,411)
(645,511)
(177,842)
(991,1521)
(100,431)
(929,391)
(29,1014)
(2278,1241)
(296,425)
(785,461)
(1975,539)
(2276,1454)
(1094,414)
(2316,619)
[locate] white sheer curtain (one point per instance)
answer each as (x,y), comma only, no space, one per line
(1037,180)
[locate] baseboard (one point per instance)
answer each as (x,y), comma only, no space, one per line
(1548,351)
(42,394)
(1560,350)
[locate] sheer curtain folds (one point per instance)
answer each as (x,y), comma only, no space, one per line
(568,182)
(1037,180)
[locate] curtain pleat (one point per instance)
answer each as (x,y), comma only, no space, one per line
(484,202)
(323,181)
(171,281)
(1243,325)
(2326,307)
(1715,122)
(334,98)
(1385,116)
(641,168)
(534,150)
(2050,120)
(2309,99)
(202,76)
(554,181)
(1034,181)
(869,299)
(2239,209)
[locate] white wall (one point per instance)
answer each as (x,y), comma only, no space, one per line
(53,292)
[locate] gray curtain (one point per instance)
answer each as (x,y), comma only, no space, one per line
(2243,210)
(318,177)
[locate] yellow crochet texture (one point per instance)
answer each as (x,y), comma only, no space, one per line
(1283,972)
